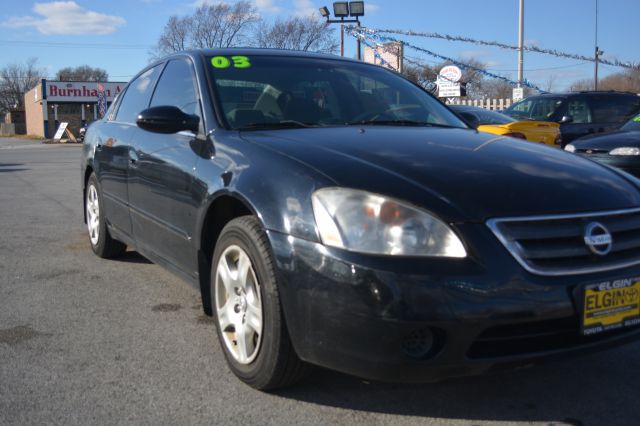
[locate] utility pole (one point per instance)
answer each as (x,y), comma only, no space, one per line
(341,39)
(359,43)
(521,44)
(597,54)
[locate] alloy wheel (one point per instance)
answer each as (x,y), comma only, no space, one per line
(238,304)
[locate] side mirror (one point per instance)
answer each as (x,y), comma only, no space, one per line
(167,119)
(566,119)
(471,119)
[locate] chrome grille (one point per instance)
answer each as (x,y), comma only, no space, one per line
(554,245)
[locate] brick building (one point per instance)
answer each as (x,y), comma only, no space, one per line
(75,102)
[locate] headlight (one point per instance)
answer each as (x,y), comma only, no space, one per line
(368,223)
(625,150)
(570,148)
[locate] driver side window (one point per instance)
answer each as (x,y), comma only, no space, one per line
(177,87)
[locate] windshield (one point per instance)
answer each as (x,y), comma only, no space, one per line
(269,92)
(633,124)
(486,116)
(535,108)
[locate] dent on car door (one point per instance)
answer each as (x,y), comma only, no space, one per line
(163,205)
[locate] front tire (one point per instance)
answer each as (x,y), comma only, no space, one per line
(101,242)
(250,324)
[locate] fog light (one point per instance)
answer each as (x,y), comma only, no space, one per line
(419,343)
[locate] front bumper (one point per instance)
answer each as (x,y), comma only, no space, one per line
(360,314)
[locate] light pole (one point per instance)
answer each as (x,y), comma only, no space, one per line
(598,53)
(342,10)
(521,44)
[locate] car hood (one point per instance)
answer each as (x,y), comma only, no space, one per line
(459,174)
(608,141)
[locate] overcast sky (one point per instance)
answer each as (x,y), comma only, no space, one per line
(117,34)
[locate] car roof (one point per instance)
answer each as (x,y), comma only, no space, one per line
(253,51)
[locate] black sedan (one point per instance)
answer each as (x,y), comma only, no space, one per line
(333,213)
(619,149)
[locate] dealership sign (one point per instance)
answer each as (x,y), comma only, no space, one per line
(80,91)
(448,82)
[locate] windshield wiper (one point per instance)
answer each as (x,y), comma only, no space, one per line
(396,123)
(284,124)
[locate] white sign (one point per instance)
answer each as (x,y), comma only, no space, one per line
(451,73)
(80,91)
(518,93)
(448,89)
(61,129)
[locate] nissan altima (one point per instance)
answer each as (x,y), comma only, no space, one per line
(332,213)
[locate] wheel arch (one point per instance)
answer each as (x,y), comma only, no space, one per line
(222,208)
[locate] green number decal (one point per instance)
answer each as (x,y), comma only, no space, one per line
(241,62)
(220,62)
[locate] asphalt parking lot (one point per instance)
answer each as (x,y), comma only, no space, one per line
(90,341)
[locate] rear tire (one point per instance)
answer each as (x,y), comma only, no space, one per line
(101,242)
(246,304)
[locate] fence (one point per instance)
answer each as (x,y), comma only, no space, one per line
(492,104)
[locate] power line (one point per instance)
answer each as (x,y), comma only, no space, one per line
(464,39)
(422,61)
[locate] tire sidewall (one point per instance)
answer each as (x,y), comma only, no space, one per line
(265,361)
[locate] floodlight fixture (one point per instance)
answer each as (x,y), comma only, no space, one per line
(324,12)
(356,8)
(341,9)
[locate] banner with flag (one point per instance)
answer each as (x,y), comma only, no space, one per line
(102,100)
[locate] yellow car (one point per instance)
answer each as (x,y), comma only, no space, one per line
(494,122)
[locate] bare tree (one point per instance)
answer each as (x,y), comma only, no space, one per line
(298,33)
(580,85)
(15,80)
(175,36)
(497,89)
(210,26)
(627,80)
(551,81)
(82,73)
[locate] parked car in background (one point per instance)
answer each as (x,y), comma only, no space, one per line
(580,113)
(331,212)
(619,149)
(500,124)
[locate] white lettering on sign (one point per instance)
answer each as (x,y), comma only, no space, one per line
(447,89)
(80,91)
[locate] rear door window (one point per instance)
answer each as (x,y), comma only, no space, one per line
(613,109)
